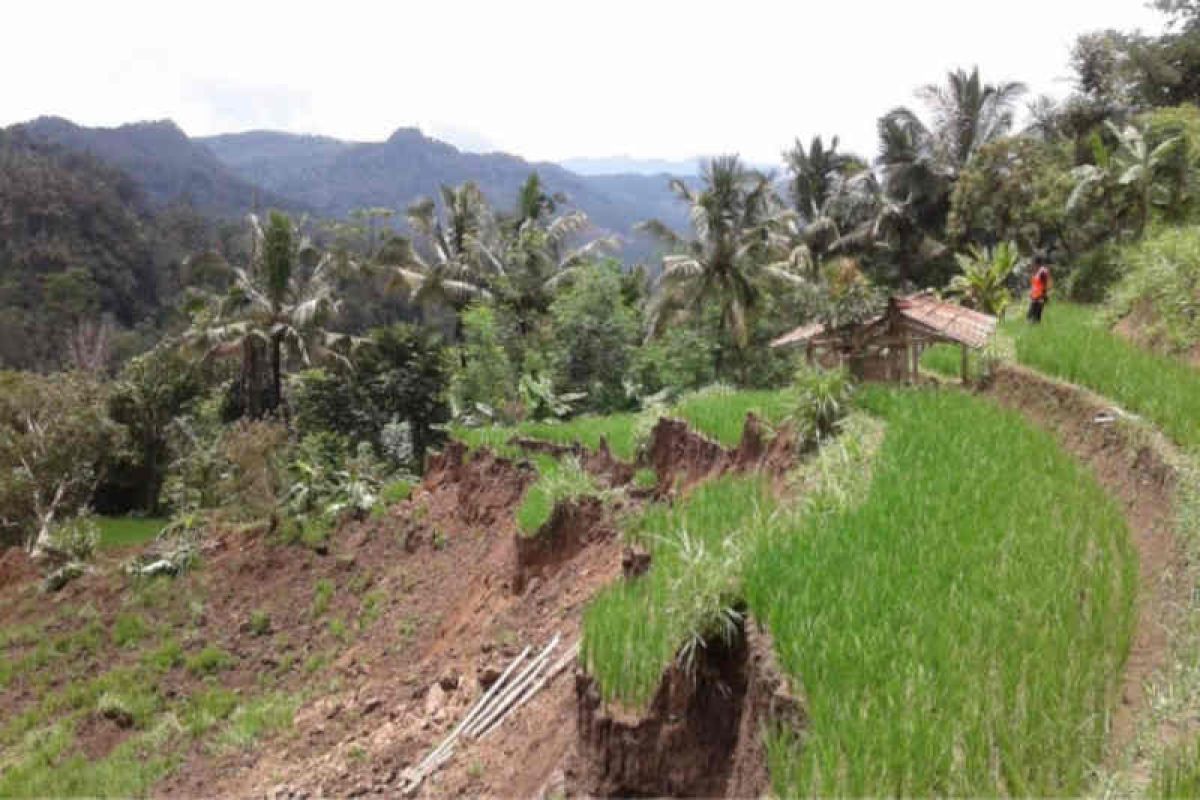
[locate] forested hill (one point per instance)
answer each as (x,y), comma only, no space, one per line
(335,177)
(168,166)
(79,241)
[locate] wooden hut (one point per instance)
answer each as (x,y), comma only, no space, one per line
(888,347)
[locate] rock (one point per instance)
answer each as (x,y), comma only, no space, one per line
(487,647)
(359,790)
(280,792)
(435,701)
(119,717)
(371,705)
(487,676)
(449,681)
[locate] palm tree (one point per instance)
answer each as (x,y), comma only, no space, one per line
(1134,168)
(543,249)
(737,233)
(459,259)
(814,173)
(968,113)
(276,308)
(982,284)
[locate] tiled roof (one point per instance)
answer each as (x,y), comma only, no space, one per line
(946,320)
(962,325)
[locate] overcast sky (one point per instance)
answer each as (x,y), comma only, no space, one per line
(545,80)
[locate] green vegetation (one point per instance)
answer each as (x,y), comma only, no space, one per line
(1177,773)
(720,411)
(635,628)
(619,430)
(209,661)
(1073,344)
(962,630)
(1161,288)
(558,482)
(128,531)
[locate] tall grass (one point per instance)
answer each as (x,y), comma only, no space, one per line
(720,411)
(634,629)
(1072,344)
(960,631)
(1177,773)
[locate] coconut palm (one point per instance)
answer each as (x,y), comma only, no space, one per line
(968,113)
(276,309)
(544,248)
(459,258)
(736,239)
(1134,170)
(983,282)
(814,174)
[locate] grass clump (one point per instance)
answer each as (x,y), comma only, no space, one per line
(720,411)
(322,596)
(258,718)
(129,630)
(961,631)
(396,492)
(1072,344)
(558,482)
(209,661)
(635,628)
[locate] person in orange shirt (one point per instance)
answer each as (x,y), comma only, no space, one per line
(1039,289)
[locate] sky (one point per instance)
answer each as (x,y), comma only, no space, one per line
(544,80)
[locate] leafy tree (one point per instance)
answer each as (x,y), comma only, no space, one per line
(55,440)
(145,399)
(594,334)
(1131,178)
(1015,189)
(485,383)
(983,284)
(277,309)
(736,221)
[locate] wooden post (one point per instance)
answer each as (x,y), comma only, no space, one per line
(965,376)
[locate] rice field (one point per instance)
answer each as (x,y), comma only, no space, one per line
(962,629)
(1073,344)
(720,412)
(558,481)
(619,430)
(633,629)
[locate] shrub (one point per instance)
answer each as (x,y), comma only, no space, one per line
(75,538)
(822,400)
(1162,286)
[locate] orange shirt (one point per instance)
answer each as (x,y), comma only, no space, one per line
(1041,284)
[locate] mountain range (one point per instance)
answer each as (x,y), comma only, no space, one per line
(227,175)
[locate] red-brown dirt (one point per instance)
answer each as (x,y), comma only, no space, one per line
(682,458)
(702,735)
(1133,469)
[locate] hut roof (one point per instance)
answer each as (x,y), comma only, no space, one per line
(943,320)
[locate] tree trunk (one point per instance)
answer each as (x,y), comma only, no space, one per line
(276,372)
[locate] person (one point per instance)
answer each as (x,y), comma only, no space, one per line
(1039,289)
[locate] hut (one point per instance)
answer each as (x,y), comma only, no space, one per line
(888,347)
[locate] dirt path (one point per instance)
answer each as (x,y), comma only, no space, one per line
(1132,467)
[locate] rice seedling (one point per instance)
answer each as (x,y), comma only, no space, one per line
(720,411)
(962,629)
(558,481)
(635,628)
(1073,344)
(1177,773)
